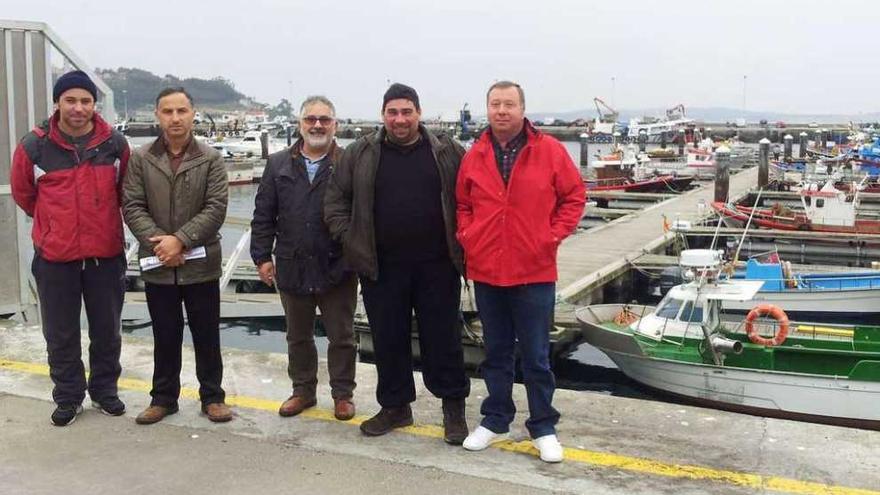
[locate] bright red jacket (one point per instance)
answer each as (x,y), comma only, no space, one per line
(510,234)
(74,199)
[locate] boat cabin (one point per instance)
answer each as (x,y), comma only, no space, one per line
(829,205)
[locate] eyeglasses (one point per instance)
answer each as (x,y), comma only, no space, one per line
(312,120)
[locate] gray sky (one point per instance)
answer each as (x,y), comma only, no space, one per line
(804,57)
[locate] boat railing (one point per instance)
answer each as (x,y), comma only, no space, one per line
(767,327)
(827,284)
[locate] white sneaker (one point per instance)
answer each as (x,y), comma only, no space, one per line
(549,447)
(481,438)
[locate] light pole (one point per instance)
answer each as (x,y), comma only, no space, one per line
(612,91)
(744,95)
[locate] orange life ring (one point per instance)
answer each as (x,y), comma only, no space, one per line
(767,310)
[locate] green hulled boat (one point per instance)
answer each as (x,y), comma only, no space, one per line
(684,347)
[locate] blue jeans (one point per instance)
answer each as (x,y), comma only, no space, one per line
(522,314)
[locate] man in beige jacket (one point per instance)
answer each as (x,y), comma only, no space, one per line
(174,202)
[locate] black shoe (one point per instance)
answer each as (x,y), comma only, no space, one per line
(110,406)
(387,419)
(455,428)
(66,414)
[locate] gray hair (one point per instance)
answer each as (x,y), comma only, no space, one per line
(505,85)
(311,100)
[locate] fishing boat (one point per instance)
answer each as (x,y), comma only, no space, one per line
(683,347)
(831,297)
(826,209)
(623,169)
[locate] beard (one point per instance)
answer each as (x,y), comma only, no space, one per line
(318,140)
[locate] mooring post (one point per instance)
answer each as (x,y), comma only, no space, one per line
(264,144)
(681,142)
(802,152)
(643,140)
(763,163)
(722,173)
(585,150)
(787,143)
(663,140)
(289,132)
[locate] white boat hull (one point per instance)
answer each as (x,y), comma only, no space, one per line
(783,393)
(848,302)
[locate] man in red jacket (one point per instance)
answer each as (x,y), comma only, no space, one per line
(519,195)
(66,174)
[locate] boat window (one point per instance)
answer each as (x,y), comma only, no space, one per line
(689,313)
(820,202)
(669,308)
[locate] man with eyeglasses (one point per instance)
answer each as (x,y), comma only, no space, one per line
(391,202)
(308,270)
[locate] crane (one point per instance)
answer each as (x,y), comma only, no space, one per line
(675,113)
(607,118)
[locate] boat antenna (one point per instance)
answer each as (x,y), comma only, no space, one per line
(748,223)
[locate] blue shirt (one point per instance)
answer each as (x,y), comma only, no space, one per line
(312,166)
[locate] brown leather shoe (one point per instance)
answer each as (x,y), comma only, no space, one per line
(295,405)
(343,409)
(387,419)
(218,412)
(154,414)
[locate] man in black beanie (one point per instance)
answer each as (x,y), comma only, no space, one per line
(67,175)
(391,202)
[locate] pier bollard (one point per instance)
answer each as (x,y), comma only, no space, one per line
(681,142)
(722,176)
(585,150)
(289,132)
(820,140)
(643,140)
(264,144)
(802,152)
(787,141)
(763,163)
(615,138)
(663,140)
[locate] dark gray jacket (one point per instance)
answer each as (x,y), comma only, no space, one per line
(289,214)
(190,204)
(349,200)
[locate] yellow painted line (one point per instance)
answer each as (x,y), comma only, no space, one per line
(586,457)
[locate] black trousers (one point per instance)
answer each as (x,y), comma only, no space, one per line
(433,290)
(202,302)
(62,289)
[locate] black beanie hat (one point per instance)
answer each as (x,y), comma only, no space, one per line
(397,91)
(74,79)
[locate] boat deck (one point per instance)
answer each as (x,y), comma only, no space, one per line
(589,259)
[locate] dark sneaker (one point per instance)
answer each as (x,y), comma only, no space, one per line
(387,419)
(66,414)
(111,406)
(455,428)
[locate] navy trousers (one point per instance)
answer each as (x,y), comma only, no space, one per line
(517,316)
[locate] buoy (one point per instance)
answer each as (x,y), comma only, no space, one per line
(767,310)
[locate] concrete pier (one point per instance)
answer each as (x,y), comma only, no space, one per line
(613,444)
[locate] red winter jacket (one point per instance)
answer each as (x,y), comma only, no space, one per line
(510,234)
(74,199)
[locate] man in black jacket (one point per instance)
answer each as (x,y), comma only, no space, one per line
(309,271)
(391,202)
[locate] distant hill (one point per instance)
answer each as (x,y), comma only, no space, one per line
(141,87)
(716,114)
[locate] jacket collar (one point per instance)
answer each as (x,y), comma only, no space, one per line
(333,153)
(158,148)
(376,138)
(100,133)
(533,135)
